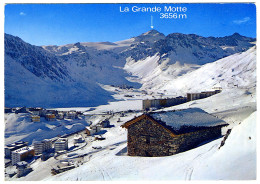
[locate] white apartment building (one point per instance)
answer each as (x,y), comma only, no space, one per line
(42,146)
(21,154)
(61,144)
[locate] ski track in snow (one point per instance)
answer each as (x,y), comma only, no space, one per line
(197,160)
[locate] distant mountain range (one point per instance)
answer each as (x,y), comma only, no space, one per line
(70,75)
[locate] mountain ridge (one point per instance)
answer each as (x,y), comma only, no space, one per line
(84,67)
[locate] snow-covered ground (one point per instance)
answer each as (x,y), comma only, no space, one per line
(236,105)
(19,127)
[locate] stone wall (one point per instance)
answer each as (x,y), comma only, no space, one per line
(191,140)
(147,138)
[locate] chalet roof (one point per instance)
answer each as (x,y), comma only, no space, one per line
(181,121)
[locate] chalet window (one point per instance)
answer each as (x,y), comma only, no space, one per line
(147,140)
(147,154)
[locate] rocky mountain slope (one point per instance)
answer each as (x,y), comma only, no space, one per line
(70,75)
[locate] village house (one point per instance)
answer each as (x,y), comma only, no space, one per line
(8,110)
(51,111)
(21,110)
(78,139)
(171,132)
(37,111)
(105,123)
(93,130)
(50,117)
(35,118)
(71,115)
(60,115)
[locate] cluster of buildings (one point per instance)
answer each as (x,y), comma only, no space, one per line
(151,134)
(19,152)
(93,129)
(14,146)
(16,153)
(50,115)
(168,102)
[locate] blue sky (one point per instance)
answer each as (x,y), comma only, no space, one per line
(59,24)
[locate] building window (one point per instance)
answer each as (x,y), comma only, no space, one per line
(147,140)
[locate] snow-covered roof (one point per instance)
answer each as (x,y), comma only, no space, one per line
(78,137)
(22,163)
(61,140)
(189,117)
(23,150)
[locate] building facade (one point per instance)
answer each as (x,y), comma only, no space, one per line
(50,117)
(35,118)
(61,144)
(78,139)
(22,154)
(160,103)
(93,129)
(193,96)
(204,94)
(60,115)
(71,115)
(42,146)
(105,123)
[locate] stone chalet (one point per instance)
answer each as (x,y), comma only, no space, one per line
(171,132)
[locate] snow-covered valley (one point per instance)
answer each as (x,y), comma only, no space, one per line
(158,77)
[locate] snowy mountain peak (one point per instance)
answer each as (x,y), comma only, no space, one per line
(150,36)
(236,34)
(152,32)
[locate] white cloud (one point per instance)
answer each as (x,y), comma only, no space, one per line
(22,14)
(241,21)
